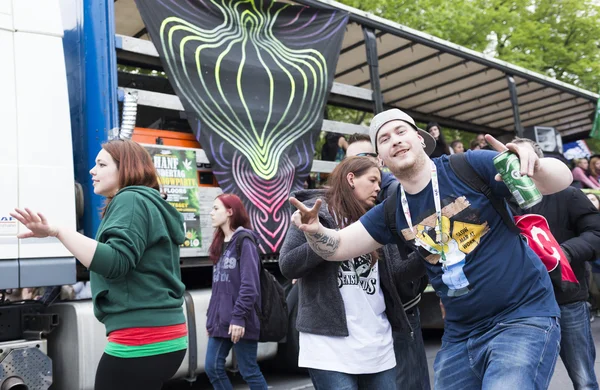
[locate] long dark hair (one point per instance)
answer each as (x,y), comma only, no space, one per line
(441,140)
(341,202)
(346,208)
(239,217)
(134,164)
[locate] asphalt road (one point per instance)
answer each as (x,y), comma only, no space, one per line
(279,380)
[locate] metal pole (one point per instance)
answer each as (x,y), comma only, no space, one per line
(99,92)
(373,61)
(512,88)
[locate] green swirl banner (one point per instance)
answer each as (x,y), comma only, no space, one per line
(253,77)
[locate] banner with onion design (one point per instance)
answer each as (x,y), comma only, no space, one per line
(253,77)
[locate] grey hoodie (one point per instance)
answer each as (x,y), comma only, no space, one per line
(321,307)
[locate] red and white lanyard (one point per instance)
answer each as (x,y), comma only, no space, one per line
(438,213)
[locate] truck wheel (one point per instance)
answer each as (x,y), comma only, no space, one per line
(290,349)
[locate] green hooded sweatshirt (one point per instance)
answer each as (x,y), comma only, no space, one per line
(135,278)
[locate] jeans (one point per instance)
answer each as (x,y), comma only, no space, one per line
(245,353)
(333,380)
(515,354)
(411,360)
(577,349)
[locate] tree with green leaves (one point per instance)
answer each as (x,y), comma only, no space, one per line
(557,38)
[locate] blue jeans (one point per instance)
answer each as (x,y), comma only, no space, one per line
(333,380)
(411,361)
(577,349)
(516,354)
(245,353)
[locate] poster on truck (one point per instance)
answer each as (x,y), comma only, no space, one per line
(253,78)
(179,181)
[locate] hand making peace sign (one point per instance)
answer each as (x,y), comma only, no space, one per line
(306,219)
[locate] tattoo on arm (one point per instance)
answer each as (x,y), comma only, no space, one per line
(323,244)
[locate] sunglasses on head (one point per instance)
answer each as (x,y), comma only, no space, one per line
(366,155)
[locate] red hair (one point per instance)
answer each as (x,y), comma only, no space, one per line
(239,217)
(134,164)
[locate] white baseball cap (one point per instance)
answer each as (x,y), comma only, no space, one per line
(395,114)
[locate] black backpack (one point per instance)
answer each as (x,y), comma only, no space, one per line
(273,314)
(465,172)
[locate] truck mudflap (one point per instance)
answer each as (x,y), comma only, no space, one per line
(24,364)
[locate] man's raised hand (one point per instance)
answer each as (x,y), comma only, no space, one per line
(530,162)
(306,219)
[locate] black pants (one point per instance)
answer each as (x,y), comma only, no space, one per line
(144,373)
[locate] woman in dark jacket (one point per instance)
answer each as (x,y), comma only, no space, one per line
(232,321)
(441,147)
(346,309)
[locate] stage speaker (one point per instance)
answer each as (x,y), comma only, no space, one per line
(548,138)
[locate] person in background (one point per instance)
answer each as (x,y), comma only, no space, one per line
(232,321)
(346,309)
(501,326)
(483,145)
(595,265)
(595,199)
(595,168)
(575,223)
(457,146)
(334,148)
(134,269)
(441,147)
(411,359)
(359,145)
(582,175)
(474,145)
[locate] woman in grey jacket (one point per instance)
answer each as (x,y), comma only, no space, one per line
(347,309)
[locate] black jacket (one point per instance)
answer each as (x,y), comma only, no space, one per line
(321,307)
(440,150)
(575,223)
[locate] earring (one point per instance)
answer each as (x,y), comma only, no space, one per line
(352,186)
(423,145)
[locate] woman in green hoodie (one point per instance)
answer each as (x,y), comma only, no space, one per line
(134,262)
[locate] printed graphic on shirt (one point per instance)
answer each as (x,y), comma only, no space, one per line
(461,232)
(358,271)
(221,269)
(229,262)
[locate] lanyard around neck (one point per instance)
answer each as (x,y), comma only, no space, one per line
(438,214)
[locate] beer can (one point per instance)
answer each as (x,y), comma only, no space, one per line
(521,187)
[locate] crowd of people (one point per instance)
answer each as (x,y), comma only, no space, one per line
(505,322)
(393,217)
(586,173)
(335,145)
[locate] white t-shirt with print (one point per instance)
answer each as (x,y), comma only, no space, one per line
(369,347)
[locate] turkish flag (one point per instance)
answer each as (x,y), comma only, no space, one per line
(539,238)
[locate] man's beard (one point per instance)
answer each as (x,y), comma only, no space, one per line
(407,172)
